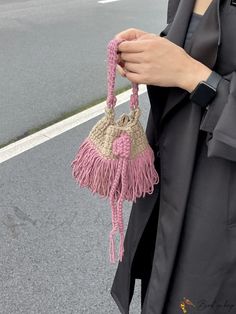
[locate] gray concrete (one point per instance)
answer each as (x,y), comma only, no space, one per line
(54,256)
(53,55)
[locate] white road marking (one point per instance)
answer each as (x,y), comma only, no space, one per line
(107,1)
(58,128)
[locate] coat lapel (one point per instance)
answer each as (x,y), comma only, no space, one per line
(204,42)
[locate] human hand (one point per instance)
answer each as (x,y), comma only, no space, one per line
(129,34)
(155,60)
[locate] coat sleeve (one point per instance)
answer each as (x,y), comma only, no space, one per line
(164,32)
(219,120)
(172,8)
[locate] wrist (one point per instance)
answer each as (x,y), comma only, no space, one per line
(195,73)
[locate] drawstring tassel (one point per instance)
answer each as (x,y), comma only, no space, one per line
(121,148)
(114,213)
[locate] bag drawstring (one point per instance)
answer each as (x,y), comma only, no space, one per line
(121,148)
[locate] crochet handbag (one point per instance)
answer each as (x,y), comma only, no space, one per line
(116,160)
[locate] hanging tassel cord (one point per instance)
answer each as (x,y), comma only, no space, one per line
(114,212)
(120,207)
(121,148)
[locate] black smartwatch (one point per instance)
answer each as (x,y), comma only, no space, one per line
(206,90)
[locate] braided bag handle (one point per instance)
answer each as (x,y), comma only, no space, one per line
(112,58)
(121,148)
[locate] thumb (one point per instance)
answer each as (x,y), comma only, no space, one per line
(130,34)
(147,36)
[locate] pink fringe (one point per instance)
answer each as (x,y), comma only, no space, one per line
(119,179)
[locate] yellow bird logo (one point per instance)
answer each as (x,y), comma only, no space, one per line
(184,303)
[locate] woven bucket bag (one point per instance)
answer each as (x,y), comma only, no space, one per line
(115,160)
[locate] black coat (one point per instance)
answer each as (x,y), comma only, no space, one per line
(188,248)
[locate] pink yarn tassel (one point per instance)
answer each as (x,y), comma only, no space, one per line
(117,214)
(121,148)
(109,177)
(92,170)
(114,213)
(120,208)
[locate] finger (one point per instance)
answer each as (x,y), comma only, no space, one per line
(120,70)
(148,36)
(132,46)
(131,57)
(119,59)
(131,67)
(134,77)
(120,62)
(130,34)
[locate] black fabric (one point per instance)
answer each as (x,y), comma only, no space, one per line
(194,254)
(142,263)
(193,24)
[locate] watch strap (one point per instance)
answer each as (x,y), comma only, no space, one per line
(202,99)
(214,79)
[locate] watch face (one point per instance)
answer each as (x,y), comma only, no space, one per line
(203,94)
(207,91)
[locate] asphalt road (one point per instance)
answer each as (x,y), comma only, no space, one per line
(53,55)
(54,255)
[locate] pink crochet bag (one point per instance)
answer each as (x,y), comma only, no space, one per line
(116,160)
